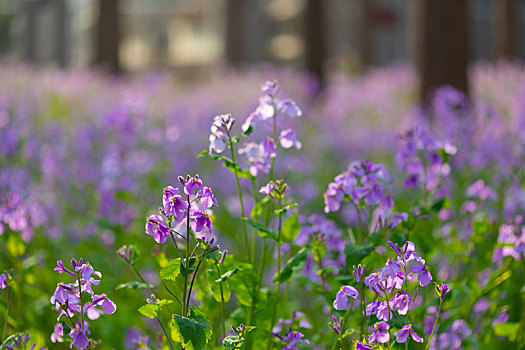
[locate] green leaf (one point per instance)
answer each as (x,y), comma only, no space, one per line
(133,285)
(356,253)
(285,209)
(264,232)
(295,261)
(509,330)
(171,271)
(193,331)
(232,341)
(152,310)
(227,275)
(238,137)
(226,162)
(215,287)
(291,228)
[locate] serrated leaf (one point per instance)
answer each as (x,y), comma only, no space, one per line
(133,285)
(193,331)
(263,231)
(153,310)
(287,271)
(171,271)
(291,228)
(237,138)
(226,162)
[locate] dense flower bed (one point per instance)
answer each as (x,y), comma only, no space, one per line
(356,219)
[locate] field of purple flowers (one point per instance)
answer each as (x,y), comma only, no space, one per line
(238,212)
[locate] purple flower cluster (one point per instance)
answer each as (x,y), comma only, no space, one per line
(362,181)
(260,155)
(421,159)
(511,241)
(69,301)
(192,204)
(292,339)
(388,283)
(220,132)
(20,215)
(20,342)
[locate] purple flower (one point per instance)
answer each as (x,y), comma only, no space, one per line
(401,302)
(268,188)
(380,334)
(155,227)
(363,181)
(259,155)
(336,325)
(358,272)
(220,129)
(58,333)
(289,140)
(80,340)
(292,339)
(403,333)
(424,276)
(3,281)
(361,346)
(341,298)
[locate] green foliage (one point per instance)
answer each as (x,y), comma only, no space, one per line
(263,231)
(291,264)
(193,331)
(355,253)
(172,270)
(291,228)
(133,285)
(153,310)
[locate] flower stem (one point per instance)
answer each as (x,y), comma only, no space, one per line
(7,313)
(80,296)
(187,262)
(278,286)
(435,324)
(222,304)
(191,285)
(239,192)
(165,333)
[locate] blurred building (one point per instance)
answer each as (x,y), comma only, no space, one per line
(194,33)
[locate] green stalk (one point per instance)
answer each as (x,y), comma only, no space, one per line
(7,313)
(222,304)
(435,323)
(187,267)
(80,296)
(165,333)
(278,287)
(239,191)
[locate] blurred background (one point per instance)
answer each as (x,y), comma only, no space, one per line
(321,36)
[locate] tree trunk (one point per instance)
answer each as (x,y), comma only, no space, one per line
(506,28)
(108,36)
(235,31)
(315,50)
(365,34)
(442,44)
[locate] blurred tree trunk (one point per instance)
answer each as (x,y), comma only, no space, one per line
(442,44)
(365,37)
(314,42)
(108,36)
(234,31)
(506,28)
